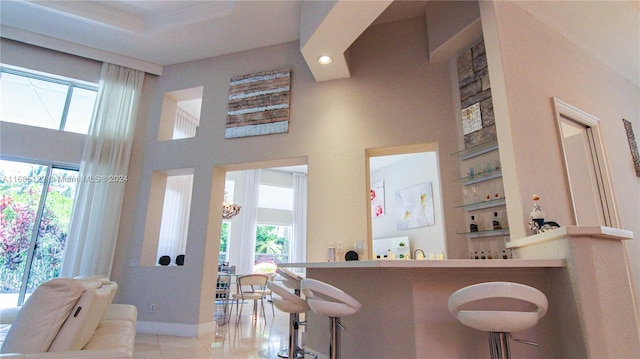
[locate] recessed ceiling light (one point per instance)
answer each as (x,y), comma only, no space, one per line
(325,59)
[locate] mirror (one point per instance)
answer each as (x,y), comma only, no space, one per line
(586,167)
(406,211)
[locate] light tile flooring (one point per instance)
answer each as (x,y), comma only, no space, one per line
(248,340)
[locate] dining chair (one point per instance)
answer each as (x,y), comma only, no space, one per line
(266,292)
(223,288)
(250,287)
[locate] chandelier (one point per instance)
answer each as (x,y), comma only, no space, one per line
(229,210)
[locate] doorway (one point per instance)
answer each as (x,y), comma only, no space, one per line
(271,224)
(36,201)
(396,175)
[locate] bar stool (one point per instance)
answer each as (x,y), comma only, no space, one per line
(292,281)
(294,305)
(328,300)
(499,323)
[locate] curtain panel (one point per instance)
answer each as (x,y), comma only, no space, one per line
(249,222)
(95,218)
(298,247)
(175,216)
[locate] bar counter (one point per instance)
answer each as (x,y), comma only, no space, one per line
(405,312)
(581,269)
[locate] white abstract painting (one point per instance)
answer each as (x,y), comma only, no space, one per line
(415,207)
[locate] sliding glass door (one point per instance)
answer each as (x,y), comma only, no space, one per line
(35,211)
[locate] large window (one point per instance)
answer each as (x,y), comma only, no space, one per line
(46,101)
(276,197)
(224,242)
(272,239)
(35,211)
(272,243)
(37,195)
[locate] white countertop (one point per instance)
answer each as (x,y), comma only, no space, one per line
(425,264)
(601,232)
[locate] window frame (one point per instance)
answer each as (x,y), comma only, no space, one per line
(42,201)
(70,83)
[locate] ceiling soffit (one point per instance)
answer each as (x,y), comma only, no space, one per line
(142,16)
(329,28)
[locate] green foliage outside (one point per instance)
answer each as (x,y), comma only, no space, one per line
(270,240)
(20,194)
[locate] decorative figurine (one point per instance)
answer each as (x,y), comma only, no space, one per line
(537,216)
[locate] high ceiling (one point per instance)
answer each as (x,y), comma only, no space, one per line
(158,33)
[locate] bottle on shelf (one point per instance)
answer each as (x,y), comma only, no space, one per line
(473,226)
(331,252)
(496,221)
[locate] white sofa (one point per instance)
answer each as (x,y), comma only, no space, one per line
(69,318)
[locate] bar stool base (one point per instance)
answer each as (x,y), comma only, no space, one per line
(499,345)
(284,353)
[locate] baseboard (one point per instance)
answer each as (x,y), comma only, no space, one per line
(177,329)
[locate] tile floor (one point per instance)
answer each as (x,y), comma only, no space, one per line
(249,340)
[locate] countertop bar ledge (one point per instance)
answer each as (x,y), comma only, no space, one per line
(420,264)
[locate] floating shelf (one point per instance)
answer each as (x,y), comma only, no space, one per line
(488,233)
(481,177)
(477,150)
(484,204)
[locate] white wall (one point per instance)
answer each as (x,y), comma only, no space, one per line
(416,169)
(529,64)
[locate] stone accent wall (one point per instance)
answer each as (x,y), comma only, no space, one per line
(473,81)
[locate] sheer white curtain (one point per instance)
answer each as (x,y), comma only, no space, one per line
(185,125)
(298,246)
(175,216)
(249,222)
(95,219)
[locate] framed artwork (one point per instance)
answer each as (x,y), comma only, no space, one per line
(633,146)
(259,104)
(471,119)
(414,207)
(377,199)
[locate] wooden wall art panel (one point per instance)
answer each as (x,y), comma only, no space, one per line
(259,104)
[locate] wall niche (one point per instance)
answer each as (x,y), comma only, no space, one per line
(478,120)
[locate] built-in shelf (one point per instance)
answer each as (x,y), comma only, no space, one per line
(484,204)
(488,233)
(477,150)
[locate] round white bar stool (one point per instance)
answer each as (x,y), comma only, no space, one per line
(499,323)
(294,305)
(292,281)
(328,300)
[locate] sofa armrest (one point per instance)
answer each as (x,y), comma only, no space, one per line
(8,315)
(77,354)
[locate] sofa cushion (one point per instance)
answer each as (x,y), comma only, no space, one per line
(4,329)
(84,319)
(43,314)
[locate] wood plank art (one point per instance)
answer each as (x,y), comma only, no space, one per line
(259,104)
